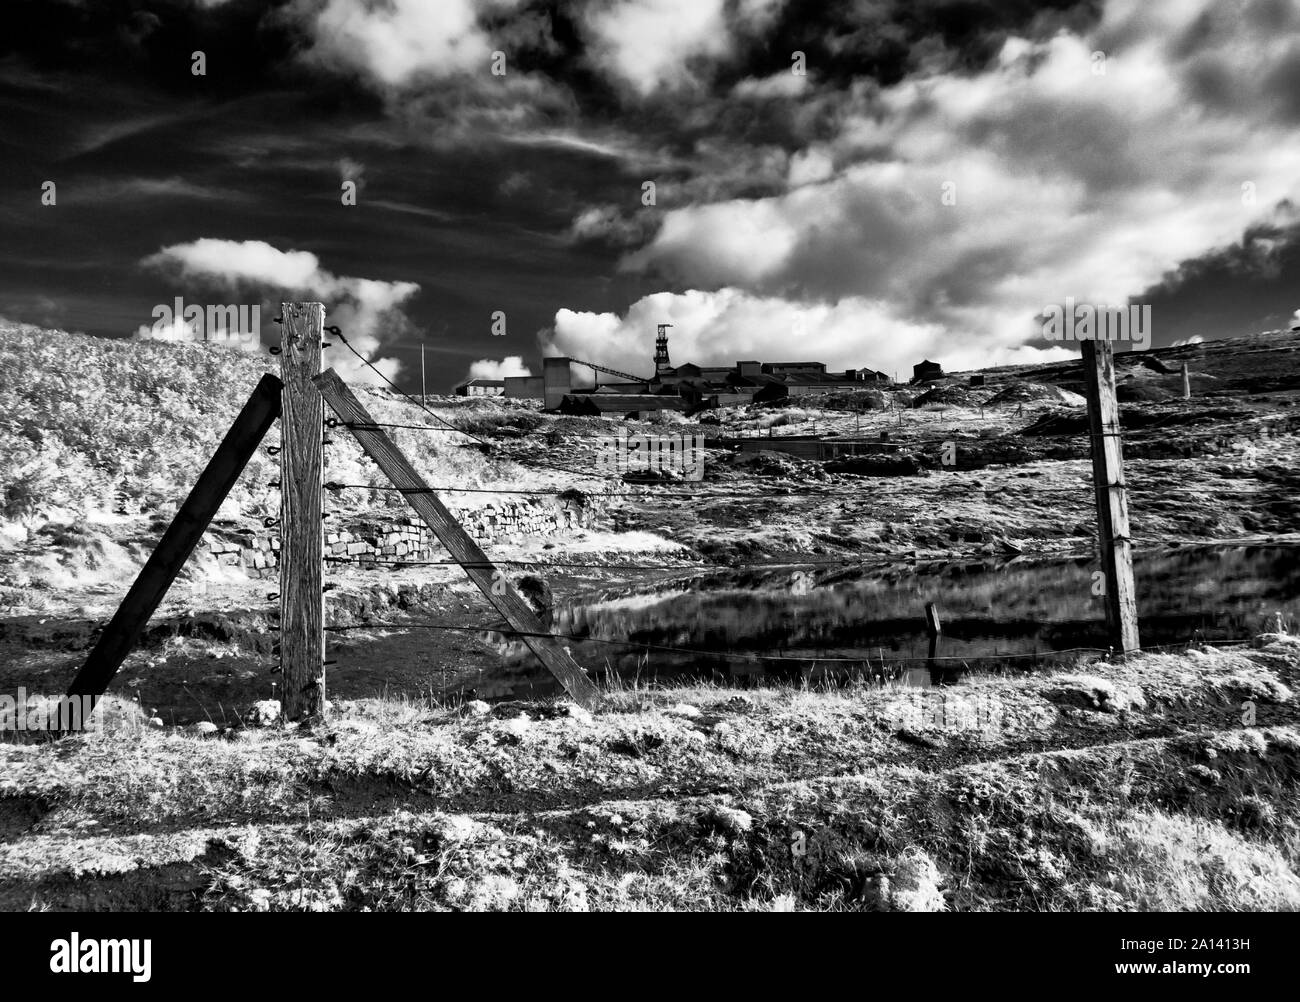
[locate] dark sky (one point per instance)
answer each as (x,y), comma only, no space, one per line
(795,214)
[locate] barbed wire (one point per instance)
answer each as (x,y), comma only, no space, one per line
(894,446)
(542,565)
(888,447)
(375,425)
(336,332)
(752,657)
(846,561)
(773,492)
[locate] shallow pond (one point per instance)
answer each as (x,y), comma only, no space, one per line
(843,623)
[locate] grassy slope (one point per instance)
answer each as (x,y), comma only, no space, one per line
(89,423)
(100,440)
(87,419)
(1121,786)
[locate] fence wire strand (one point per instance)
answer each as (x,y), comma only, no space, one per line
(892,446)
(752,657)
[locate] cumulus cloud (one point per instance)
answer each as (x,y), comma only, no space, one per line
(400,41)
(434,63)
(809,167)
(1063,181)
(367,310)
(609,224)
(724,326)
(649,43)
(756,16)
(486,368)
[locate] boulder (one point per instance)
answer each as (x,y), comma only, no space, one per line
(728,819)
(263,713)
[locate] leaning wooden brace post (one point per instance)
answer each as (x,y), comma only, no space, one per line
(178,542)
(302,536)
(1111,495)
(466,552)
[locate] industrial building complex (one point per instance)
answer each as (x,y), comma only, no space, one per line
(687,387)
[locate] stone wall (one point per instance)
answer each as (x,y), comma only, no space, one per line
(383,539)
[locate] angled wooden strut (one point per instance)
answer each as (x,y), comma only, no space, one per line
(178,542)
(467,553)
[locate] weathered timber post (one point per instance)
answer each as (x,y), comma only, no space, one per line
(932,629)
(302,535)
(932,625)
(179,540)
(1111,495)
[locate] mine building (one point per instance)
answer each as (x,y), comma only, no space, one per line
(480,387)
(685,387)
(925,370)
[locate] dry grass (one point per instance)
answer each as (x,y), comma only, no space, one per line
(694,797)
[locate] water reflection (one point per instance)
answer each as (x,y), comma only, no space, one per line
(845,623)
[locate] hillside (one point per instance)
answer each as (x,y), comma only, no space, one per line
(94,430)
(1161,781)
(100,441)
(94,427)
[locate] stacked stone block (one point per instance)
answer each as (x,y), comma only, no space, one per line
(375,542)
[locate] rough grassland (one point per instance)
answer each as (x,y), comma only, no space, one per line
(1163,782)
(1132,786)
(94,427)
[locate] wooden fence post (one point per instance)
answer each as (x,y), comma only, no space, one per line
(302,535)
(179,540)
(932,629)
(932,625)
(498,591)
(1111,495)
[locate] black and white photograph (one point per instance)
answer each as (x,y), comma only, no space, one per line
(729,456)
